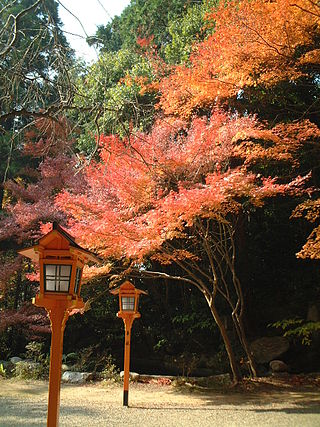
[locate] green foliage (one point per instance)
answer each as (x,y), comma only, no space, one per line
(141,19)
(193,321)
(103,329)
(12,162)
(34,57)
(174,327)
(110,371)
(161,344)
(114,88)
(219,362)
(108,38)
(298,328)
(187,29)
(35,351)
(5,345)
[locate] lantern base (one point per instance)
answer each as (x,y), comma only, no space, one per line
(125,397)
(50,301)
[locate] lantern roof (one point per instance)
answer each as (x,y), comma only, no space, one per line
(57,239)
(127,288)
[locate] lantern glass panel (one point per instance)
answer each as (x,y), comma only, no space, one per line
(78,279)
(57,277)
(127,303)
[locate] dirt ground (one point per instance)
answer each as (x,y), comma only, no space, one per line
(259,404)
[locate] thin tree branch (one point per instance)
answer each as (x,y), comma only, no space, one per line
(16,20)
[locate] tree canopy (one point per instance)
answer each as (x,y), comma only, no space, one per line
(173,196)
(262,54)
(141,19)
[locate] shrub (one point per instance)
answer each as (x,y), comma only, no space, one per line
(32,370)
(36,366)
(35,351)
(110,371)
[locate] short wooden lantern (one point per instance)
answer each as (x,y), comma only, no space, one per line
(61,262)
(128,300)
(128,311)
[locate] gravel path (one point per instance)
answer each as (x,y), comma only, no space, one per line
(152,405)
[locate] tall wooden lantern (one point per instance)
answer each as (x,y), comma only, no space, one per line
(61,262)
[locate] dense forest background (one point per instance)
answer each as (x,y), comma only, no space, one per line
(187,157)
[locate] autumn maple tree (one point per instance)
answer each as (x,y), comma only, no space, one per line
(177,196)
(264,50)
(30,197)
(28,203)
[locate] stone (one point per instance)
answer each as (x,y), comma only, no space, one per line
(278,366)
(266,349)
(15,359)
(75,377)
(134,376)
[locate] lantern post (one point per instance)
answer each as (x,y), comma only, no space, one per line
(128,311)
(61,262)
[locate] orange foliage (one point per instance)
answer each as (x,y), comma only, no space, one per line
(256,42)
(150,189)
(48,137)
(311,249)
(311,211)
(282,143)
(93,272)
(146,42)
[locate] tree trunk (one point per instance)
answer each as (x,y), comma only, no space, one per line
(232,360)
(244,342)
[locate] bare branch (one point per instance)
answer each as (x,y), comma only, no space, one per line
(15,28)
